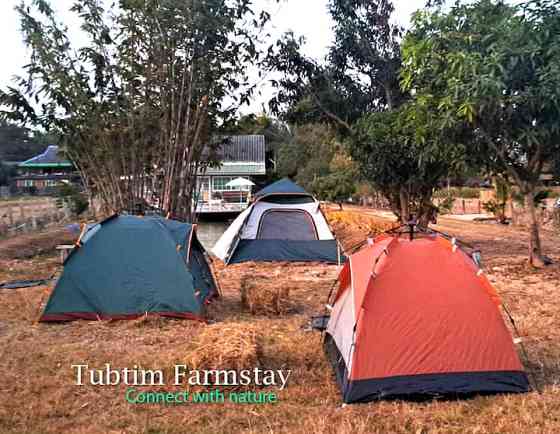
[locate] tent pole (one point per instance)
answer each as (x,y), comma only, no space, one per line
(338,252)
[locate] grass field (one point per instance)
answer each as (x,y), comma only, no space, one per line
(38,394)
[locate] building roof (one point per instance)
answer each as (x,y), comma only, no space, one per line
(50,158)
(230,169)
(240,155)
(249,148)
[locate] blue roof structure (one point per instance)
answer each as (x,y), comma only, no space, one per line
(50,158)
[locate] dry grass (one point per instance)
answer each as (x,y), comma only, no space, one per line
(352,227)
(39,395)
(26,246)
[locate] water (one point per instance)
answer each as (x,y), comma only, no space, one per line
(208,232)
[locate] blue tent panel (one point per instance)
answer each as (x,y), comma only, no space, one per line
(286,250)
(130,266)
(284,186)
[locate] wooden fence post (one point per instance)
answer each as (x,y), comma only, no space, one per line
(11,215)
(21,210)
(464,208)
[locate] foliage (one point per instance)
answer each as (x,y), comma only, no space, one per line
(71,197)
(407,171)
(140,104)
(357,91)
(340,184)
(6,173)
(307,154)
(19,143)
(494,67)
(446,205)
(458,192)
(318,161)
(366,49)
(497,206)
(360,74)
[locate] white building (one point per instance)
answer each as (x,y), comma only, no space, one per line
(241,157)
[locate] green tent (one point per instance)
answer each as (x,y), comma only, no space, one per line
(125,267)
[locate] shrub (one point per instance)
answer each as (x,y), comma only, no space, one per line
(446,205)
(70,196)
(458,192)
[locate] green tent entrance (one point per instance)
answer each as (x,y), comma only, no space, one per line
(125,267)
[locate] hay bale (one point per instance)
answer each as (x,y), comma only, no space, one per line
(265,299)
(234,346)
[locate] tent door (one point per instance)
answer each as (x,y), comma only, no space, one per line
(287,224)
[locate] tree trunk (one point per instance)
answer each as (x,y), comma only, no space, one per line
(427,212)
(404,205)
(535,250)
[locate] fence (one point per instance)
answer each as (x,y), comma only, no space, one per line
(28,215)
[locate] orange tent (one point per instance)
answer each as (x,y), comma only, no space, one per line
(417,317)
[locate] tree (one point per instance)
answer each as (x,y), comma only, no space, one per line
(17,143)
(340,183)
(494,67)
(360,74)
(140,105)
(404,162)
(358,92)
(366,50)
(307,154)
(6,173)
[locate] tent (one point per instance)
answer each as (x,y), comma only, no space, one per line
(284,223)
(125,267)
(418,318)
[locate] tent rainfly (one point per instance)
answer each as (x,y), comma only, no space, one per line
(418,318)
(284,223)
(125,267)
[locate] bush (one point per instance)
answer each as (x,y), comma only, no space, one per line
(446,205)
(458,192)
(498,209)
(70,196)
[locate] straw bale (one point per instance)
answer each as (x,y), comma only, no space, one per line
(261,298)
(230,346)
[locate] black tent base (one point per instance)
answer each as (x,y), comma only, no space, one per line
(422,387)
(287,250)
(437,386)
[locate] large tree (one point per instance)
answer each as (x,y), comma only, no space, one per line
(357,90)
(359,75)
(496,68)
(405,159)
(18,143)
(139,105)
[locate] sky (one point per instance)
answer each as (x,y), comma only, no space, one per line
(308,18)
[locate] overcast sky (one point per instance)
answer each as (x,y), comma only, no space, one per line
(304,17)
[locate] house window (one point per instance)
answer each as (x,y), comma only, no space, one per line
(219,183)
